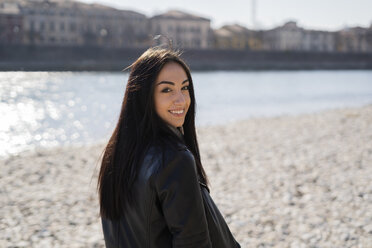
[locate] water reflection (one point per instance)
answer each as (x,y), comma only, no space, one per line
(62,108)
(49,109)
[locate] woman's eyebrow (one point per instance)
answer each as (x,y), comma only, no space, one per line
(171,83)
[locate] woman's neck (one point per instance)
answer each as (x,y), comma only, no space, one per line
(177,130)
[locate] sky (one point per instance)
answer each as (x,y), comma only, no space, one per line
(311,14)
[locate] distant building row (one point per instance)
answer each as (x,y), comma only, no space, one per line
(290,37)
(71,23)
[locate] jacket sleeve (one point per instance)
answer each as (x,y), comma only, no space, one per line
(179,193)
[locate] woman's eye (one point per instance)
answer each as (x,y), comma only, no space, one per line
(165,90)
(186,87)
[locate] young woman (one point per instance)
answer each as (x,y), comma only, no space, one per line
(152,186)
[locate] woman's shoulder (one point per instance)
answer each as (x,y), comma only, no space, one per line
(166,148)
(167,153)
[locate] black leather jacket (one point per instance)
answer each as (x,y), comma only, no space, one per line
(172,207)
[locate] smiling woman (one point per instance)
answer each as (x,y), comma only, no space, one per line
(172,98)
(153,189)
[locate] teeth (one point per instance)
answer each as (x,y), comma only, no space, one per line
(176,112)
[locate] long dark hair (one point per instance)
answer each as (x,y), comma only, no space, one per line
(138,127)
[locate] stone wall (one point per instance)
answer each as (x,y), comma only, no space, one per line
(105,59)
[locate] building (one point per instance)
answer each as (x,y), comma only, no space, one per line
(318,41)
(183,29)
(290,37)
(356,39)
(284,38)
(51,23)
(11,24)
(71,23)
(105,26)
(237,37)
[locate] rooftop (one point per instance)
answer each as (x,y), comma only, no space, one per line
(179,15)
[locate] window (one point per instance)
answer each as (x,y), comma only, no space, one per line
(32,25)
(62,26)
(51,26)
(72,26)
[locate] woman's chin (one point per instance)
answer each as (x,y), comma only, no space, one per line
(176,123)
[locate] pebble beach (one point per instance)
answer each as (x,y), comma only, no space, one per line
(288,181)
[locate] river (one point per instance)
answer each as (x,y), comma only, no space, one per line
(46,109)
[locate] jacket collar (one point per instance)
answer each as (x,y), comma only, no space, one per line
(178,131)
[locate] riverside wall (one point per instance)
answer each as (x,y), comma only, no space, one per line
(31,58)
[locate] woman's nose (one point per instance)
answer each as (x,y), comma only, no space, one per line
(179,98)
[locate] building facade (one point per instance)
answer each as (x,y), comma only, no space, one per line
(183,29)
(51,23)
(284,38)
(319,41)
(104,26)
(290,37)
(237,37)
(11,24)
(355,39)
(71,23)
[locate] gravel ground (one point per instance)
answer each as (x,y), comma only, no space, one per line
(290,181)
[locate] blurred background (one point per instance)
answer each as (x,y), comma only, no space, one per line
(61,60)
(299,178)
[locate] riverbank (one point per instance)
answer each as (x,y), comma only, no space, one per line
(290,181)
(55,58)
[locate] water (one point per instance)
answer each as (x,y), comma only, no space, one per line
(62,108)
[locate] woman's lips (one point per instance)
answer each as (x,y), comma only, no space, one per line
(177,113)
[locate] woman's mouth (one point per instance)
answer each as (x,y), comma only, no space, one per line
(177,113)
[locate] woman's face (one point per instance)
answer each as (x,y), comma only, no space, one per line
(171,95)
